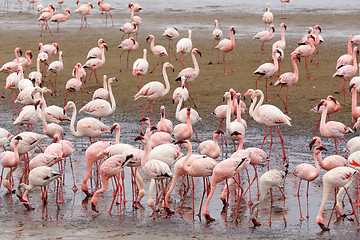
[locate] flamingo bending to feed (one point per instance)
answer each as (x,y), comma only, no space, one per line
(158,50)
(217,35)
(269,179)
(127,45)
(332,129)
(140,67)
(165,125)
(268,115)
(84,10)
(226,46)
(268,17)
(184,46)
(58,18)
(154,90)
(105,7)
(265,36)
(171,33)
(348,71)
(309,173)
(190,74)
(56,67)
(306,51)
(110,168)
(268,70)
(86,127)
(288,79)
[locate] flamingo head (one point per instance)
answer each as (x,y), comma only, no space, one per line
(130,5)
(219,132)
(318,28)
(249,92)
(162,109)
(331,98)
(167,64)
(114,126)
(283,25)
(90,5)
(101,41)
(195,50)
(67,10)
(272,28)
(105,46)
(29,52)
(236,133)
(352,86)
(318,149)
(188,111)
(100,2)
(313,141)
(18,138)
(70,104)
(232,29)
(227,95)
(186,143)
(149,37)
(238,98)
(267,6)
(139,138)
(127,160)
(310,30)
(113,79)
(18,50)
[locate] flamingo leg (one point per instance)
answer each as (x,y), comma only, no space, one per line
(111,19)
(307,67)
(282,143)
(257,81)
(224,61)
(97,80)
(155,66)
(298,196)
(317,127)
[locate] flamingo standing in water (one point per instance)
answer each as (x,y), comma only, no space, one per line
(127,45)
(288,79)
(226,46)
(154,90)
(56,67)
(171,33)
(45,17)
(84,10)
(190,74)
(140,67)
(158,50)
(348,71)
(105,7)
(268,17)
(58,18)
(184,46)
(332,129)
(306,51)
(217,35)
(4,138)
(307,172)
(265,36)
(268,115)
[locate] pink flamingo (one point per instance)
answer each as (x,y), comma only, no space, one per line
(307,172)
(268,115)
(171,33)
(12,66)
(268,70)
(269,179)
(128,28)
(135,19)
(154,90)
(58,18)
(27,116)
(265,36)
(331,161)
(333,106)
(190,74)
(75,84)
(184,131)
(268,17)
(335,178)
(140,67)
(127,45)
(318,40)
(306,51)
(51,49)
(102,93)
(95,52)
(86,127)
(158,50)
(283,5)
(35,74)
(84,10)
(347,72)
(355,110)
(345,59)
(96,63)
(50,129)
(217,35)
(91,155)
(288,79)
(355,40)
(56,67)
(137,7)
(112,167)
(4,138)
(225,169)
(105,7)
(25,61)
(43,57)
(332,129)
(226,46)
(32,6)
(280,44)
(183,46)
(211,148)
(45,17)
(164,125)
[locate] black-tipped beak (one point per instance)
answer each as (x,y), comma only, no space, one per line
(139,138)
(351,86)
(311,144)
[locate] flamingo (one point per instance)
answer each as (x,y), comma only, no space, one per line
(268,70)
(355,110)
(56,67)
(27,116)
(217,35)
(355,40)
(45,17)
(75,84)
(140,68)
(331,161)
(335,178)
(306,51)
(211,148)
(4,137)
(135,19)
(25,61)
(226,46)
(127,45)
(280,44)
(95,52)
(137,7)
(307,172)
(84,10)
(268,180)
(102,93)
(58,18)
(183,46)
(265,36)
(165,125)
(158,50)
(86,127)
(190,74)
(171,33)
(181,92)
(348,71)
(95,63)
(128,28)
(332,129)
(268,17)
(288,79)
(105,7)
(184,131)
(158,138)
(51,49)
(51,129)
(31,4)
(35,74)
(100,107)
(40,6)
(318,40)
(154,90)
(345,59)
(12,66)
(43,57)
(269,115)
(110,168)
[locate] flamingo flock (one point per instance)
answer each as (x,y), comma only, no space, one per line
(158,154)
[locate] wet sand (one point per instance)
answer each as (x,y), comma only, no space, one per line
(75,218)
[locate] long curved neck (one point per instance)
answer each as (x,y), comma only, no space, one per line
(112,99)
(117,137)
(67,15)
(189,37)
(196,65)
(103,55)
(354,100)
(16,152)
(228,113)
(316,163)
(178,107)
(188,121)
(216,25)
(132,14)
(60,57)
(252,105)
(276,61)
(282,35)
(323,117)
(44,123)
(295,67)
(105,84)
(28,59)
(317,39)
(72,123)
(152,44)
(167,84)
(188,155)
(16,56)
(238,113)
(215,137)
(354,59)
(144,55)
(349,46)
(232,39)
(259,104)
(145,157)
(41,95)
(320,161)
